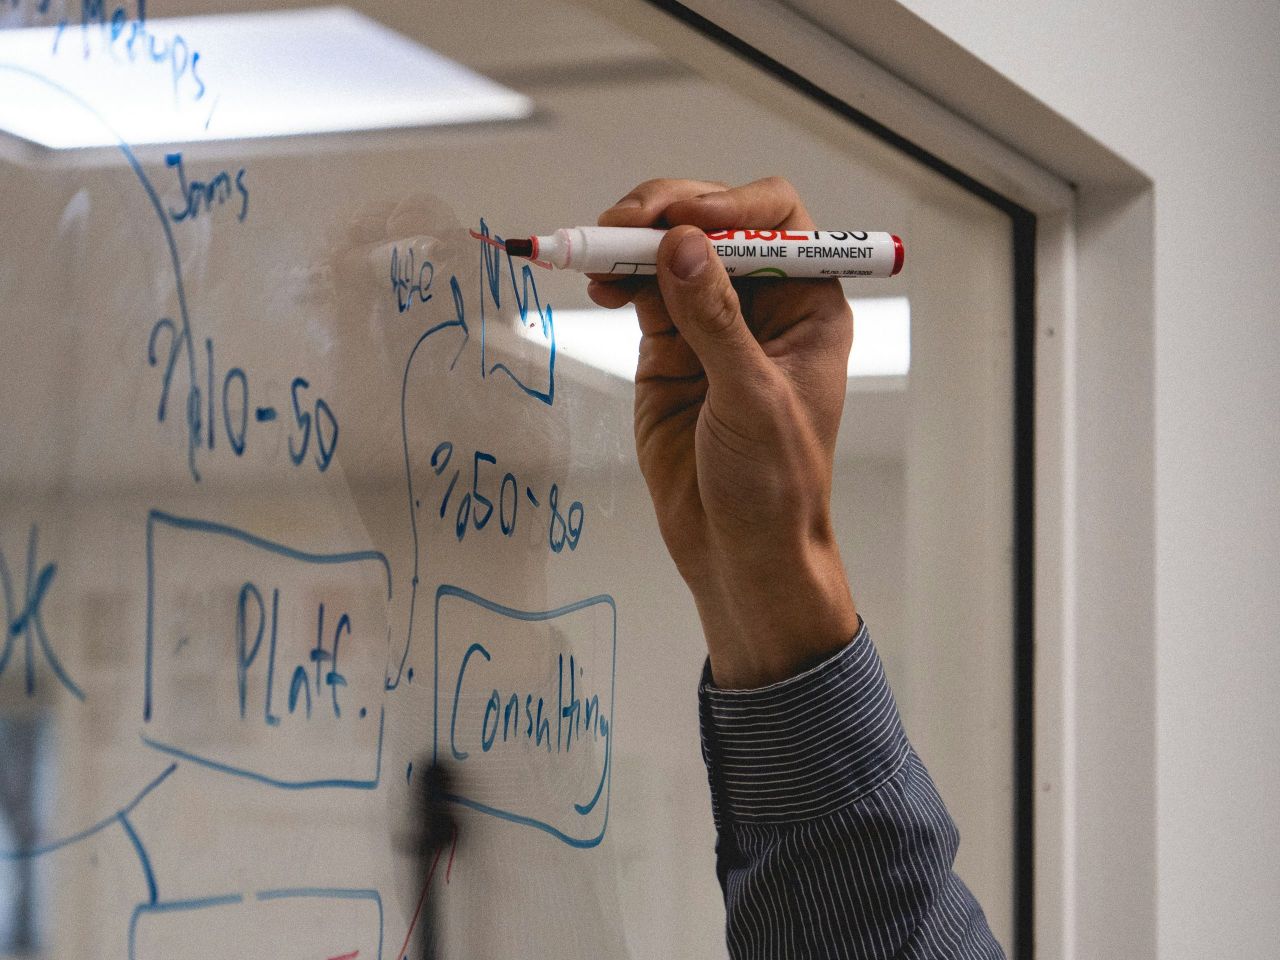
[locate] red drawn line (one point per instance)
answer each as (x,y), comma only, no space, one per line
(544,264)
(347,956)
(485,238)
(452,850)
(422,898)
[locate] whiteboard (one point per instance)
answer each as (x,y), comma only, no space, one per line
(301,487)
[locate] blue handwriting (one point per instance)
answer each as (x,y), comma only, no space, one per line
(257,629)
(411,282)
(300,683)
(121,32)
(525,292)
(507,716)
(476,509)
(24,618)
(125,37)
(180,330)
(207,422)
(529,719)
(218,189)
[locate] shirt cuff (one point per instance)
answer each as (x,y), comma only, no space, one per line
(805,746)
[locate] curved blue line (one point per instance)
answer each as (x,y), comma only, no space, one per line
(320,893)
(582,843)
(408,473)
(88,832)
(548,329)
(154,198)
(536,616)
(476,647)
(339,783)
(175,906)
(153,893)
(31,620)
(221,529)
(449,590)
(148,656)
(270,546)
(8,634)
(331,893)
(586,808)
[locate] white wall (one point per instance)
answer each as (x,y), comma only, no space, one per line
(1187,92)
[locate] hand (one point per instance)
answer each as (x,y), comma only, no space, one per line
(739,391)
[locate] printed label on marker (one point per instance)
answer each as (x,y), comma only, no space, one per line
(794,253)
(633,251)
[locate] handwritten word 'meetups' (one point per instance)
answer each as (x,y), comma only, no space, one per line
(120,31)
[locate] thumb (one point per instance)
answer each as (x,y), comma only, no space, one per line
(704,307)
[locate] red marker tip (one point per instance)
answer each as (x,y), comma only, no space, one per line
(899,254)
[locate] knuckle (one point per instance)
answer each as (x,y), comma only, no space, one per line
(657,187)
(646,188)
(644,193)
(780,185)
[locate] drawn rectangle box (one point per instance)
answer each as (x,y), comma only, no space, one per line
(304,923)
(524,710)
(264,661)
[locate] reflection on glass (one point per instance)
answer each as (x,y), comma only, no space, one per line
(254,626)
(24,763)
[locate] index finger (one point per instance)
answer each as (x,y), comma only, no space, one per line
(644,205)
(759,205)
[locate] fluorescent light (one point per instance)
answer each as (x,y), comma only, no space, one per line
(609,340)
(230,77)
(881,337)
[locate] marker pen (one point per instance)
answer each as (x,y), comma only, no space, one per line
(633,251)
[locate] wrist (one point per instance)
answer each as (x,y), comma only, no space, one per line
(767,618)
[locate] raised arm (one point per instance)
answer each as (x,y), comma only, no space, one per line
(833,841)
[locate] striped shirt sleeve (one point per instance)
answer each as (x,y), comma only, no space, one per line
(832,840)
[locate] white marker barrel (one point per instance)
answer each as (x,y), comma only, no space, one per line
(633,251)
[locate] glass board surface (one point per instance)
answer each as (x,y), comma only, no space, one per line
(301,486)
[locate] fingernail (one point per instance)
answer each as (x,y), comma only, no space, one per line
(627,202)
(690,257)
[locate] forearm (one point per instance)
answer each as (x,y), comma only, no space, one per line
(768,615)
(833,841)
